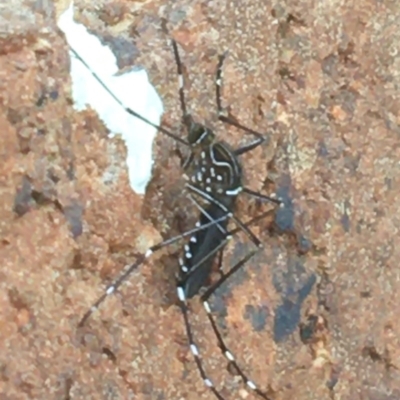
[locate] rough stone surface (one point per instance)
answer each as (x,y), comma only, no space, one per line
(315,314)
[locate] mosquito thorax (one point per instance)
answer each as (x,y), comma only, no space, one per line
(199,135)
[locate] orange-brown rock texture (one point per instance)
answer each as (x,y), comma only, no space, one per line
(315,314)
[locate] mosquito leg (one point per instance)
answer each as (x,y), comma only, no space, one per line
(140,260)
(262,196)
(221,343)
(193,347)
(184,308)
(127,109)
(221,245)
(186,117)
(210,218)
(211,199)
(259,137)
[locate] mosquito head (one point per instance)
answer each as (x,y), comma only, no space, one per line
(200,135)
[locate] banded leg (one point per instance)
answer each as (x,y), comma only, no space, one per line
(142,258)
(259,137)
(212,200)
(193,347)
(262,196)
(244,149)
(186,117)
(221,343)
(127,109)
(185,311)
(192,344)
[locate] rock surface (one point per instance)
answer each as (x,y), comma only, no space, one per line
(315,314)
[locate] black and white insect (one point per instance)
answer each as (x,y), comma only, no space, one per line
(214,180)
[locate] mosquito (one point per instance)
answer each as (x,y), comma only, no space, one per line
(214,181)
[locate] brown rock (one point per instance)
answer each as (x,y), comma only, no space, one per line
(320,79)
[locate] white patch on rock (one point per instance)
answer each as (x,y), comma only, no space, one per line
(132,88)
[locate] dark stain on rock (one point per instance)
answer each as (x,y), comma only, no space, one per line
(53,94)
(287,315)
(240,276)
(365,294)
(346,53)
(111,390)
(345,221)
(290,280)
(17,300)
(77,261)
(113,13)
(307,329)
(322,149)
(124,50)
(257,316)
(41,99)
(71,171)
(384,358)
(45,95)
(326,293)
(46,195)
(220,312)
(109,354)
(304,245)
(334,377)
(330,65)
(68,383)
(28,197)
(347,97)
(352,162)
(14,117)
(53,176)
(73,213)
(23,199)
(284,217)
(392,126)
